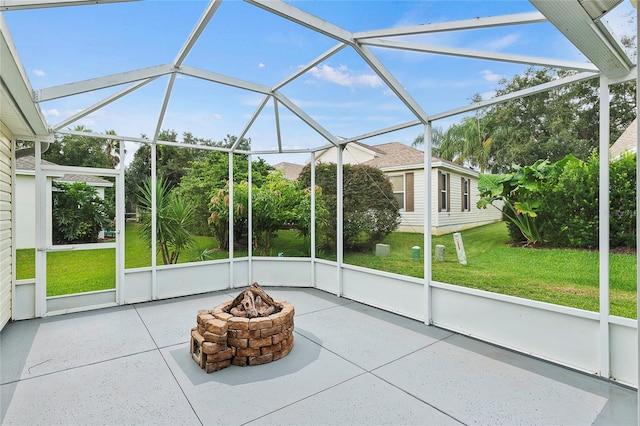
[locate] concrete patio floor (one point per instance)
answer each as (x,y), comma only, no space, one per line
(351,364)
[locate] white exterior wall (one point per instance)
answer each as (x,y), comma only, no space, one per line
(6,231)
(26,211)
(455,219)
(352,154)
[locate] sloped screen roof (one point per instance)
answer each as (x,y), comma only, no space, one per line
(292,76)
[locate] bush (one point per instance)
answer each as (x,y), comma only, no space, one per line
(370,209)
(78,213)
(566,210)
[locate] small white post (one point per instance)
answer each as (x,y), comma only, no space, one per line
(462,256)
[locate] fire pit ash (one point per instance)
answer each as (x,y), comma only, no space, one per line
(252,329)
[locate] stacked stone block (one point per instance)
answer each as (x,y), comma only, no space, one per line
(221,339)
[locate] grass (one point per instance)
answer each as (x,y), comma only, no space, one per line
(560,276)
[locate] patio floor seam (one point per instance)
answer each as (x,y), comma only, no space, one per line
(175,379)
(24,379)
(306,397)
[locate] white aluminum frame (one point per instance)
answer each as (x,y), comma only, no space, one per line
(610,64)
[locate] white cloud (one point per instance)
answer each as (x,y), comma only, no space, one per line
(343,76)
(51,112)
(261,65)
(39,73)
(490,76)
(502,42)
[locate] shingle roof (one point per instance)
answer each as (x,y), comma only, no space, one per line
(291,170)
(29,163)
(395,154)
(627,141)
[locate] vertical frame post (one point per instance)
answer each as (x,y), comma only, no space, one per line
(604,228)
(41,234)
(250,218)
(340,219)
(312,249)
(154,222)
(120,228)
(428,316)
(231,266)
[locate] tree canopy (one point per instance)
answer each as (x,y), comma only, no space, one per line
(370,209)
(542,126)
(84,151)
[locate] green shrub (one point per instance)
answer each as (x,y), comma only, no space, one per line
(565,201)
(78,213)
(370,209)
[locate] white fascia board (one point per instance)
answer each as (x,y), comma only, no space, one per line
(78,87)
(632,75)
(466,24)
(101,104)
(17,84)
(439,163)
(92,171)
(591,38)
(310,65)
(306,118)
(403,168)
(377,66)
(517,94)
(479,54)
(305,19)
(39,4)
(211,9)
(223,79)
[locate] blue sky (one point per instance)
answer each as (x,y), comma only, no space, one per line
(67,44)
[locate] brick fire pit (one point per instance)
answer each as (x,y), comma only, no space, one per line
(221,339)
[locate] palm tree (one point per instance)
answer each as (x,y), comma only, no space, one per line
(173,218)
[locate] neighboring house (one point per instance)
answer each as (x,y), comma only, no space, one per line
(291,170)
(454,201)
(25,198)
(627,142)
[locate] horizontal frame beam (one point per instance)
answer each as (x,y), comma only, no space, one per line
(466,24)
(479,54)
(89,85)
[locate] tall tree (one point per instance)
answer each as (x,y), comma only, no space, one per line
(552,124)
(83,151)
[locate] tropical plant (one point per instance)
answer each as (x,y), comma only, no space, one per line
(521,194)
(219,217)
(174,216)
(78,213)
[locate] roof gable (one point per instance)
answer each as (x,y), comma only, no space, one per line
(627,141)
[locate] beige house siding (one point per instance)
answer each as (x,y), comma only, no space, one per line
(395,160)
(413,221)
(444,222)
(6,249)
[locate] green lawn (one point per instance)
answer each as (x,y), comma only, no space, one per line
(560,276)
(564,277)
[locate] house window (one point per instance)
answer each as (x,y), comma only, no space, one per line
(444,183)
(403,190)
(465,189)
(397,184)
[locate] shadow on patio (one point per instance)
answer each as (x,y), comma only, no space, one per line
(351,364)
